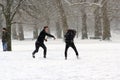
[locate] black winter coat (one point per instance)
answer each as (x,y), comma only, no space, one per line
(70,35)
(4,36)
(42,35)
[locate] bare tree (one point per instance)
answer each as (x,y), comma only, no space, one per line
(14,32)
(9,10)
(20,32)
(106,22)
(39,11)
(62,16)
(84,24)
(20,27)
(58,30)
(98,26)
(35,32)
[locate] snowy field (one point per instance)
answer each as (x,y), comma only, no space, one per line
(99,60)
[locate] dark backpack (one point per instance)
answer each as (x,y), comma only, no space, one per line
(70,35)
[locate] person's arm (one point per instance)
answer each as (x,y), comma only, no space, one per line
(49,35)
(45,40)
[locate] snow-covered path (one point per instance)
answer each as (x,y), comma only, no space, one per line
(98,61)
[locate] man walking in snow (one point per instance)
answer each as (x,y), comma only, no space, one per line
(69,40)
(40,41)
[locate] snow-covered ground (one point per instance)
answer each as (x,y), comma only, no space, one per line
(99,60)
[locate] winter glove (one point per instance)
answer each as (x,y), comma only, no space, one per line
(46,40)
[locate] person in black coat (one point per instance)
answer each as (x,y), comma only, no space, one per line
(40,41)
(69,40)
(4,39)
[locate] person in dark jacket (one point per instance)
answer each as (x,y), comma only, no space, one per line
(69,40)
(40,41)
(4,39)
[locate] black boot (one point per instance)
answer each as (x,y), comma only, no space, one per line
(44,56)
(65,58)
(77,57)
(33,55)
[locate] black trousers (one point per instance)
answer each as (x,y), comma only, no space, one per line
(37,46)
(70,44)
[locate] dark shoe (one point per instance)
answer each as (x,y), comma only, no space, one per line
(77,57)
(33,56)
(65,58)
(44,56)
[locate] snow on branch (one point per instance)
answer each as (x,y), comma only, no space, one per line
(83,3)
(3,10)
(69,3)
(1,5)
(16,9)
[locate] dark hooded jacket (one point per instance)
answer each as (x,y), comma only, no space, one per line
(70,35)
(4,36)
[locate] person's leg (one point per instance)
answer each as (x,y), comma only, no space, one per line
(66,48)
(74,48)
(36,49)
(45,49)
(5,46)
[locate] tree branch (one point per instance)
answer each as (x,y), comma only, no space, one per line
(83,3)
(16,9)
(22,23)
(33,16)
(2,6)
(103,2)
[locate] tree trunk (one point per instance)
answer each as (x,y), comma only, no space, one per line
(0,32)
(48,23)
(14,33)
(58,30)
(62,16)
(98,28)
(8,26)
(20,27)
(1,20)
(84,24)
(106,22)
(35,32)
(20,32)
